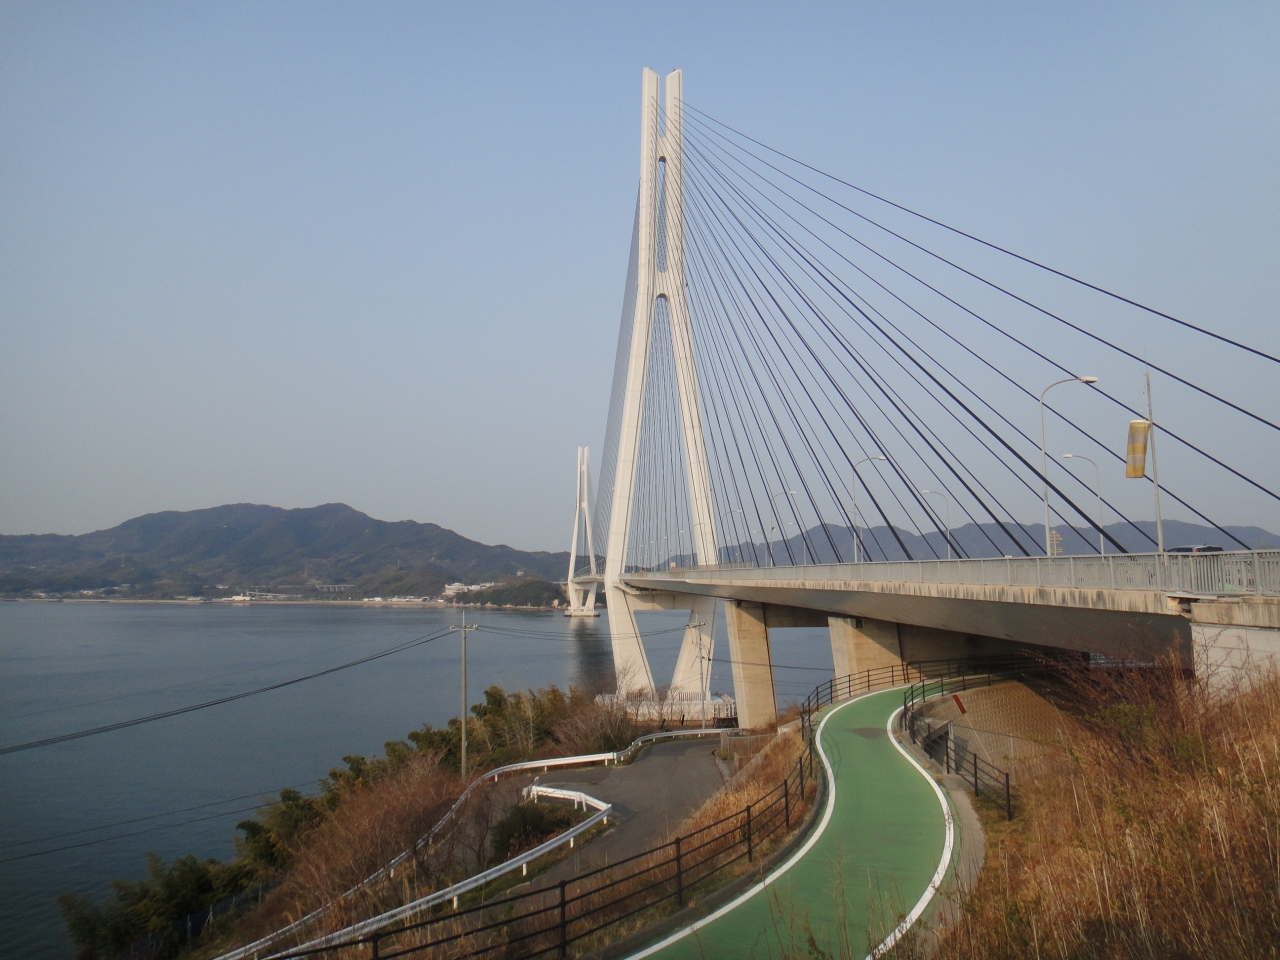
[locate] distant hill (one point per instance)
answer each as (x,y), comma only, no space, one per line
(228,549)
(248,545)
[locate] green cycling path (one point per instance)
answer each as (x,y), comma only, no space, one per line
(877,854)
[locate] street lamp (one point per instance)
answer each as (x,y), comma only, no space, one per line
(1097,477)
(855,501)
(1044,456)
(947,500)
(784,493)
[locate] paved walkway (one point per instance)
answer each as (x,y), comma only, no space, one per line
(655,792)
(870,858)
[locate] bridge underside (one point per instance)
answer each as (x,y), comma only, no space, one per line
(1130,624)
(879,624)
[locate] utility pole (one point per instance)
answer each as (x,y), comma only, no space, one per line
(464,630)
(702,665)
(1155,470)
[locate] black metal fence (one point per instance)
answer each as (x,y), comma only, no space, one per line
(592,907)
(580,914)
(937,741)
(915,672)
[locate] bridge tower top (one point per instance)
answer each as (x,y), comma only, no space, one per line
(660,298)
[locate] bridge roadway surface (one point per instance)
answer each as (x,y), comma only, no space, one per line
(882,845)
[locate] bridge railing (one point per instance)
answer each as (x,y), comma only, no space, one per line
(1242,573)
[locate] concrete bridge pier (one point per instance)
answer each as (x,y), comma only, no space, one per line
(863,643)
(752,663)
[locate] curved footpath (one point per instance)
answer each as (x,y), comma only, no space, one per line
(658,790)
(881,847)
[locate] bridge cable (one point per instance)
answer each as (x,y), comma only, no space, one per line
(997,247)
(835,281)
(812,307)
(807,257)
(1025,346)
(1062,320)
(883,386)
(756,307)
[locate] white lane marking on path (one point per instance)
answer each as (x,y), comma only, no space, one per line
(941,873)
(795,857)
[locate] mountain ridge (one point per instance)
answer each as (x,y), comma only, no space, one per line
(241,545)
(219,550)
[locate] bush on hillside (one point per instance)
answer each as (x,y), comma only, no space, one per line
(520,592)
(311,849)
(525,826)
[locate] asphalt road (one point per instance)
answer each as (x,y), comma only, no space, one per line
(656,791)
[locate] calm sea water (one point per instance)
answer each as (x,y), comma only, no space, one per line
(69,666)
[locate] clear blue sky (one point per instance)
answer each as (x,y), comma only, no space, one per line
(294,253)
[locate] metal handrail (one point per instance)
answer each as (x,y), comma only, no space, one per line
(491,776)
(984,773)
(673,868)
(375,924)
(1230,573)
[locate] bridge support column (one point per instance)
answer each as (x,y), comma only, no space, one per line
(860,643)
(752,664)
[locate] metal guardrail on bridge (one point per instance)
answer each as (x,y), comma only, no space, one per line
(1243,573)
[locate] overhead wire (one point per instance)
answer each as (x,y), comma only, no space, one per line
(192,708)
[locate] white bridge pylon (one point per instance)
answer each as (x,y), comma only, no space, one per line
(582,590)
(661,161)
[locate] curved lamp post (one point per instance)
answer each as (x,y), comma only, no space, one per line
(1044,457)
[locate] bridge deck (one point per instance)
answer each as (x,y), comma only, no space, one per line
(1243,573)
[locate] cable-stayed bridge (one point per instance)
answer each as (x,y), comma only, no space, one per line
(830,409)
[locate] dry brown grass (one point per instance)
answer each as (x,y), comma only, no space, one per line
(613,902)
(378,818)
(1160,839)
(373,824)
(763,773)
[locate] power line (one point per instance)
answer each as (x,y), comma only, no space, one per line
(185,683)
(165,714)
(124,836)
(153,816)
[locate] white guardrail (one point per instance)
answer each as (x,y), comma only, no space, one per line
(1231,574)
(521,862)
(255,949)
